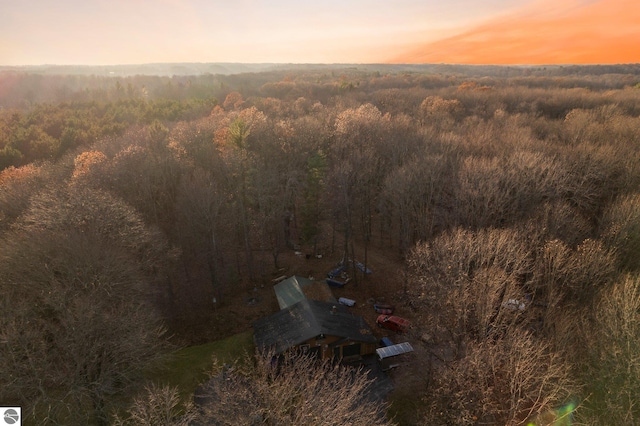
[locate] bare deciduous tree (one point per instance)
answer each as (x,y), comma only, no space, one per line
(17,186)
(158,406)
(507,381)
(440,113)
(76,274)
(574,275)
(200,219)
(612,342)
(498,191)
(355,171)
(462,279)
(294,390)
(622,231)
(414,193)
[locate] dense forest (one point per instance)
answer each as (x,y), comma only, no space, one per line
(505,199)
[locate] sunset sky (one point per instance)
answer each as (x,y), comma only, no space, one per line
(102,32)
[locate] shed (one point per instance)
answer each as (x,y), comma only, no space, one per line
(389,355)
(325,330)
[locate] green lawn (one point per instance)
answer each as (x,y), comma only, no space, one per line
(189,367)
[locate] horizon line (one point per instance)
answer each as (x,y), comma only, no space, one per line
(323,63)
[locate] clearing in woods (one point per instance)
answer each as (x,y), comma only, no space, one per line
(385,284)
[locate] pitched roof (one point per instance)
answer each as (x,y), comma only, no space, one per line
(289,291)
(294,289)
(308,319)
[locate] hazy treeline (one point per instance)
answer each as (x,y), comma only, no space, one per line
(513,200)
(22,87)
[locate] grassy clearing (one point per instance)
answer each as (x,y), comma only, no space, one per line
(189,367)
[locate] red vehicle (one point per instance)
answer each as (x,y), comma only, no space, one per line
(394,323)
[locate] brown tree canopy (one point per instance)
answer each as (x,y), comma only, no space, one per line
(78,271)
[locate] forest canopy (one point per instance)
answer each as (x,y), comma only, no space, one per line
(127,203)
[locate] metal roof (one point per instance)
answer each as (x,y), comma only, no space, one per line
(289,291)
(393,350)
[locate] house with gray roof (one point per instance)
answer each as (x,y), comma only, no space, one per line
(323,329)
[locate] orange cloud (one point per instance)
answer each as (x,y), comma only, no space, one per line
(550,32)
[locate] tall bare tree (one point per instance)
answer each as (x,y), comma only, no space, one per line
(509,381)
(294,390)
(612,342)
(463,279)
(78,273)
(621,223)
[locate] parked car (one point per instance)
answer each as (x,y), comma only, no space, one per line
(383,309)
(394,323)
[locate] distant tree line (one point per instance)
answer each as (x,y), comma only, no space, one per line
(47,131)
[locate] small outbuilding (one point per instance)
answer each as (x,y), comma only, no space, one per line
(390,356)
(323,329)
